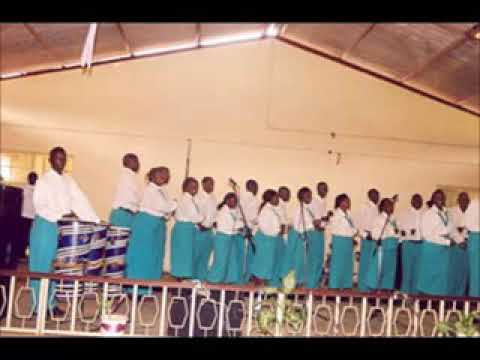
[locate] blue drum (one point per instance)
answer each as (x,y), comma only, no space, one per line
(73,248)
(96,255)
(117,241)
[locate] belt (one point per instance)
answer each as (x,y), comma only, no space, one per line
(128,210)
(416,241)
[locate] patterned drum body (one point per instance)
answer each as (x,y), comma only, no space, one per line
(117,241)
(96,255)
(73,249)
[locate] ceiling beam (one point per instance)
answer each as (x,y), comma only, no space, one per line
(42,43)
(362,36)
(462,99)
(374,74)
(422,68)
(125,41)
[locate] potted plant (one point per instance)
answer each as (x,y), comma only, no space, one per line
(463,327)
(280,310)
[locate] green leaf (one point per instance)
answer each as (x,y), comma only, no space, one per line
(289,282)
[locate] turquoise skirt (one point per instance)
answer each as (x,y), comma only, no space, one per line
(265,263)
(238,264)
(249,256)
(202,247)
(366,253)
(341,264)
(228,257)
(122,218)
(458,271)
(433,269)
(410,266)
(473,250)
(309,269)
(43,251)
(145,251)
(182,254)
(383,266)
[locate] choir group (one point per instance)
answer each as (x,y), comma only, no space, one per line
(259,241)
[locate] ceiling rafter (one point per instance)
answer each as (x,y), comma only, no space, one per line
(362,36)
(42,43)
(126,42)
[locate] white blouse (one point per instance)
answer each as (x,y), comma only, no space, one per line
(411,219)
(283,209)
(308,217)
(341,224)
(472,216)
(56,195)
(128,194)
(229,221)
(436,225)
(379,224)
(28,210)
(367,215)
(269,220)
(458,220)
(188,210)
(250,205)
(208,207)
(319,207)
(156,201)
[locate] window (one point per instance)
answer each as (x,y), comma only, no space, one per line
(15,166)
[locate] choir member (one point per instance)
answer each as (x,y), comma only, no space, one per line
(472,223)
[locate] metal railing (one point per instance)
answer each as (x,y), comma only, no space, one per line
(186,309)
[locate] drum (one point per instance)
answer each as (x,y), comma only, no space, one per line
(73,247)
(96,255)
(117,241)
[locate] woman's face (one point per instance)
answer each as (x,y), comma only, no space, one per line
(307,197)
(388,208)
(439,199)
(345,204)
(232,202)
(275,200)
(192,188)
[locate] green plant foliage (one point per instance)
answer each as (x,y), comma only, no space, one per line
(463,327)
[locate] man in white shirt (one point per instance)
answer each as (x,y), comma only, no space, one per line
(207,203)
(284,195)
(56,196)
(128,195)
(319,206)
(459,256)
(28,213)
(365,220)
(411,235)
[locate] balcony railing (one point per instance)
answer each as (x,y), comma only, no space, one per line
(218,310)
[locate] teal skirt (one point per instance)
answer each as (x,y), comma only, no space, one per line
(43,251)
(341,264)
(265,263)
(202,248)
(433,269)
(410,266)
(238,264)
(366,253)
(473,250)
(308,269)
(145,251)
(182,254)
(228,258)
(383,266)
(122,218)
(458,271)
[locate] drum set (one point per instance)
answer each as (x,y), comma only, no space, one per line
(89,249)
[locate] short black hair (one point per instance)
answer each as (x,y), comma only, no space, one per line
(207,178)
(250,183)
(283,188)
(384,203)
(187,181)
(127,157)
(57,149)
(302,192)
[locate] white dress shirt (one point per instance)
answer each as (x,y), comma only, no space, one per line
(436,224)
(156,202)
(128,194)
(229,221)
(458,220)
(472,216)
(283,210)
(56,195)
(379,225)
(28,210)
(250,205)
(269,220)
(367,216)
(188,210)
(319,207)
(341,224)
(308,216)
(411,219)
(208,207)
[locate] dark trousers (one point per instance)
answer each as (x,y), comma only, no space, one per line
(21,240)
